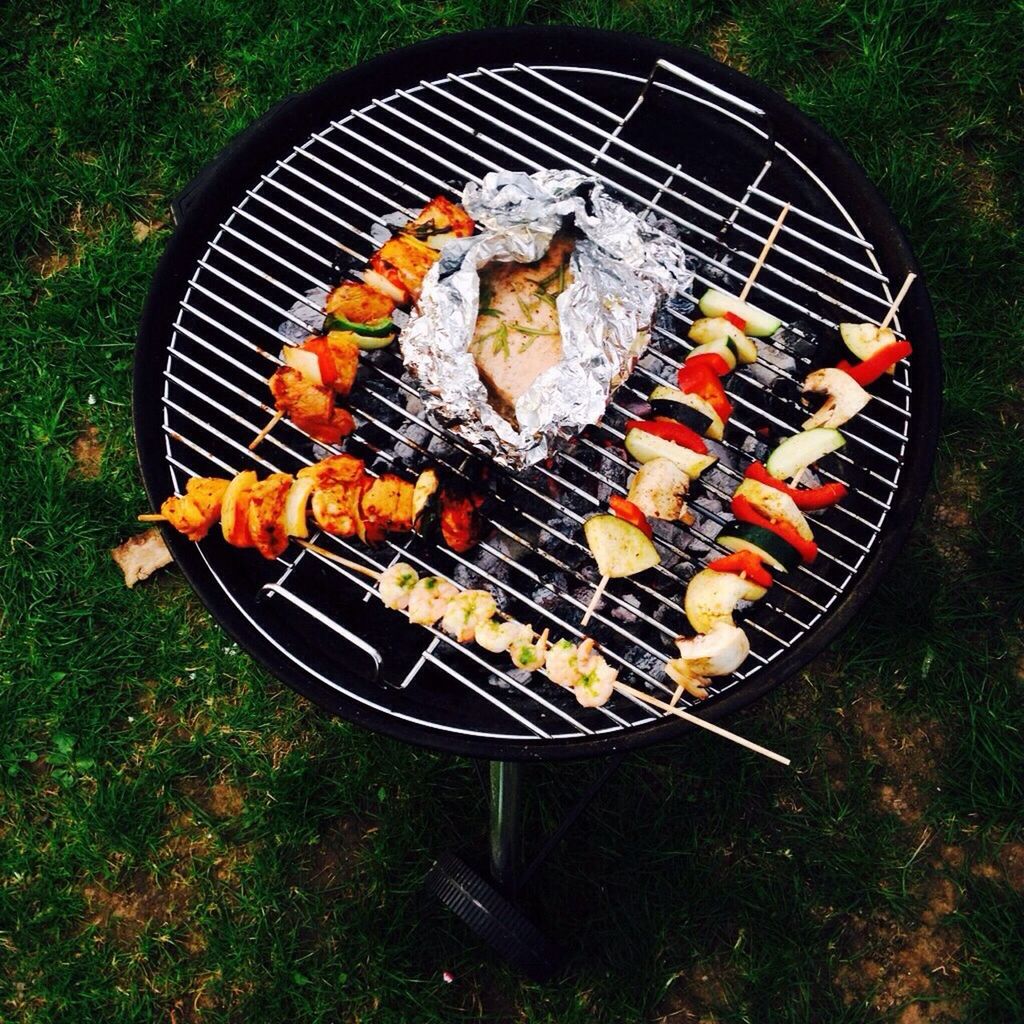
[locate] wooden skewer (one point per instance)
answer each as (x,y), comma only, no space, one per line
(152,517)
(700,722)
(768,243)
(900,295)
(274,420)
(324,552)
(598,591)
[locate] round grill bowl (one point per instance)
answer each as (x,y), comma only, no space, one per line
(272,215)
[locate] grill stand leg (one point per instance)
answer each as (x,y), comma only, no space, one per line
(487,904)
(505,825)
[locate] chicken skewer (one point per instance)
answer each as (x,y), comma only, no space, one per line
(342,498)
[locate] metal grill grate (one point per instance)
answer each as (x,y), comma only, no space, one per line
(334,198)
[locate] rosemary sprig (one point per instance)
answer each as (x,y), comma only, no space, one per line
(534,331)
(501,341)
(489,312)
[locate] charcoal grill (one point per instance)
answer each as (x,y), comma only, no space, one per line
(307,194)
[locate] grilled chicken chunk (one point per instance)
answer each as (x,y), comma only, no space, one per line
(267,526)
(345,352)
(340,482)
(386,507)
(404,261)
(359,303)
(299,397)
(198,509)
(517,336)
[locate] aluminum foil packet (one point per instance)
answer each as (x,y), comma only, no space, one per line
(622,270)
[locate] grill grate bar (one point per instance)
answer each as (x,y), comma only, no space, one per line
(281,211)
(778,371)
(619,187)
(550,529)
(299,197)
(696,252)
(688,178)
(251,427)
(280,311)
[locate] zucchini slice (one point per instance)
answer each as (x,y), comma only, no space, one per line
(798,452)
(759,324)
(768,546)
(644,447)
(619,548)
(724,347)
(711,597)
(661,393)
(714,328)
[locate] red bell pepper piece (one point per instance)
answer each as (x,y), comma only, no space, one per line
(744,563)
(808,498)
(736,321)
(745,512)
(696,378)
(631,513)
(871,369)
(712,360)
(677,433)
(328,368)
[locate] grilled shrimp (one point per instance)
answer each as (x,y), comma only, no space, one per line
(527,654)
(428,600)
(395,585)
(495,636)
(466,612)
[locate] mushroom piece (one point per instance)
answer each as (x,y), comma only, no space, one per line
(659,490)
(716,653)
(845,398)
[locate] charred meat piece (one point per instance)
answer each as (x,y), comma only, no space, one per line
(517,335)
(198,509)
(462,524)
(386,506)
(266,512)
(440,221)
(345,353)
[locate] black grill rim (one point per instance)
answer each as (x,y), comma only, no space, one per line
(208,198)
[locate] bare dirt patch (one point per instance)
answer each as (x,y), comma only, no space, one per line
(142,229)
(1008,867)
(222,799)
(226,93)
(87,451)
(128,911)
(695,995)
(909,973)
(951,510)
(335,859)
(907,752)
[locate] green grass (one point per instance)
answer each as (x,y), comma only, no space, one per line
(142,756)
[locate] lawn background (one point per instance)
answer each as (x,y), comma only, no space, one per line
(182,839)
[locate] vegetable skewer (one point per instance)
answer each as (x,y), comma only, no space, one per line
(670,443)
